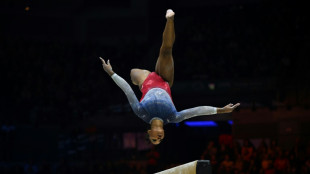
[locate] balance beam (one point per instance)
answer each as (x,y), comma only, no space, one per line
(195,167)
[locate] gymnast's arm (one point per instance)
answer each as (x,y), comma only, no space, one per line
(203,110)
(133,101)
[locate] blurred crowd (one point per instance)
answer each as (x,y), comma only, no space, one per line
(265,158)
(226,157)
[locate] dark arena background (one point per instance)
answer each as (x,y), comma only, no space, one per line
(60,113)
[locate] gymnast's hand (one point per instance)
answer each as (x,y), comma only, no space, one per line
(107,66)
(228,108)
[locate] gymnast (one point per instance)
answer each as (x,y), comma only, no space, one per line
(156,106)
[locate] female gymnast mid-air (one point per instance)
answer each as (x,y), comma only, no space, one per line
(155,106)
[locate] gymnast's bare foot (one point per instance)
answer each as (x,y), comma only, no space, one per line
(169,14)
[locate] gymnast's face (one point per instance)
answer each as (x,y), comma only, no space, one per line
(156,135)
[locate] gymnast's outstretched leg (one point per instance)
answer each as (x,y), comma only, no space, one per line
(164,68)
(164,65)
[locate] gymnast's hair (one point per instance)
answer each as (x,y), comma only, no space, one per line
(147,136)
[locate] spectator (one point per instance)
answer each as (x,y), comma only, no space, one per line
(239,165)
(227,165)
(153,157)
(281,163)
(246,153)
(267,166)
(210,150)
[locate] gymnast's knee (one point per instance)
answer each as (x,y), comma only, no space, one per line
(135,75)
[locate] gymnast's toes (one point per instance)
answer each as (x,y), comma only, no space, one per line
(169,14)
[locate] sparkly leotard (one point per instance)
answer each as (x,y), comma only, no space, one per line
(156,101)
(154,81)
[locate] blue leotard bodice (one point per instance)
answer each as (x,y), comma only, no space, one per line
(157,104)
